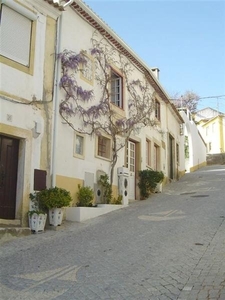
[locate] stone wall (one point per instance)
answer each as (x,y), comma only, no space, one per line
(216,159)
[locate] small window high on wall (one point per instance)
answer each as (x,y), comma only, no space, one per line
(16,33)
(157,110)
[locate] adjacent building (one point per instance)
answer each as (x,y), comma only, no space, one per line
(28,36)
(211,124)
(194,144)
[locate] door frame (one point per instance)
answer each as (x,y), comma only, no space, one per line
(171,157)
(137,142)
(24,174)
(9,171)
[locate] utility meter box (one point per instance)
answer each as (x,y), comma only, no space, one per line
(123,183)
(122,171)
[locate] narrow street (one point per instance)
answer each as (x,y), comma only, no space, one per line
(171,246)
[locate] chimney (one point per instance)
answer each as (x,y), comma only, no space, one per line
(155,71)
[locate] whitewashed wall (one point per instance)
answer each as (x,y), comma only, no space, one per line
(76,35)
(197,147)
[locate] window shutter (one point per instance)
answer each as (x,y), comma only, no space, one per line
(15,32)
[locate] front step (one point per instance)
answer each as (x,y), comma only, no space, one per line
(10,229)
(8,233)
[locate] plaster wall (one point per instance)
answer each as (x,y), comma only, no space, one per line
(197,146)
(28,121)
(73,168)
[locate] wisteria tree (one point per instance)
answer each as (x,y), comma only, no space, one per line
(89,114)
(189,99)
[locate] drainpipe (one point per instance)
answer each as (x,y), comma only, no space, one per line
(68,3)
(56,97)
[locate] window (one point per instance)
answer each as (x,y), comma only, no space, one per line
(104,146)
(186,147)
(156,157)
(116,89)
(157,110)
(148,153)
(87,70)
(178,154)
(207,130)
(16,33)
(79,146)
(210,146)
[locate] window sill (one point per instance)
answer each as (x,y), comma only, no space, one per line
(103,158)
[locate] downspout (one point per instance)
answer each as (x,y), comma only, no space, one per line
(68,3)
(56,97)
(55,103)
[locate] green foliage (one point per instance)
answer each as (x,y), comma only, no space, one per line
(85,196)
(54,198)
(38,212)
(35,205)
(107,191)
(186,147)
(106,188)
(117,200)
(148,180)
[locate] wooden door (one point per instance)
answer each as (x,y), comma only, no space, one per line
(8,176)
(171,157)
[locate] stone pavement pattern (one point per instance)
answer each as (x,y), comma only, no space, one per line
(171,246)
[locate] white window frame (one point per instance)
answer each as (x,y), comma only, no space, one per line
(75,153)
(87,69)
(116,89)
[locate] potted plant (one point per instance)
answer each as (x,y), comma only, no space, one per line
(54,199)
(86,208)
(85,196)
(37,217)
(148,180)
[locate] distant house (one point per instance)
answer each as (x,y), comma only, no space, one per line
(194,144)
(211,124)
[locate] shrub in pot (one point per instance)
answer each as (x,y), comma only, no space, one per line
(85,196)
(106,188)
(148,180)
(54,199)
(37,217)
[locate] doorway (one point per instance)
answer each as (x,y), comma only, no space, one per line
(9,149)
(131,168)
(171,157)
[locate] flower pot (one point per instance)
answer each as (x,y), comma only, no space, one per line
(37,222)
(55,216)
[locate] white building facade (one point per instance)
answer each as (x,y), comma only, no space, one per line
(194,144)
(38,148)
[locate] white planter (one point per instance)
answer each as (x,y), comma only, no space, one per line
(37,222)
(80,214)
(158,188)
(55,216)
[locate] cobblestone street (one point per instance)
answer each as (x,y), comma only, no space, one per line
(171,246)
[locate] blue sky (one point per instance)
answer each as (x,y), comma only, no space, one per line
(184,39)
